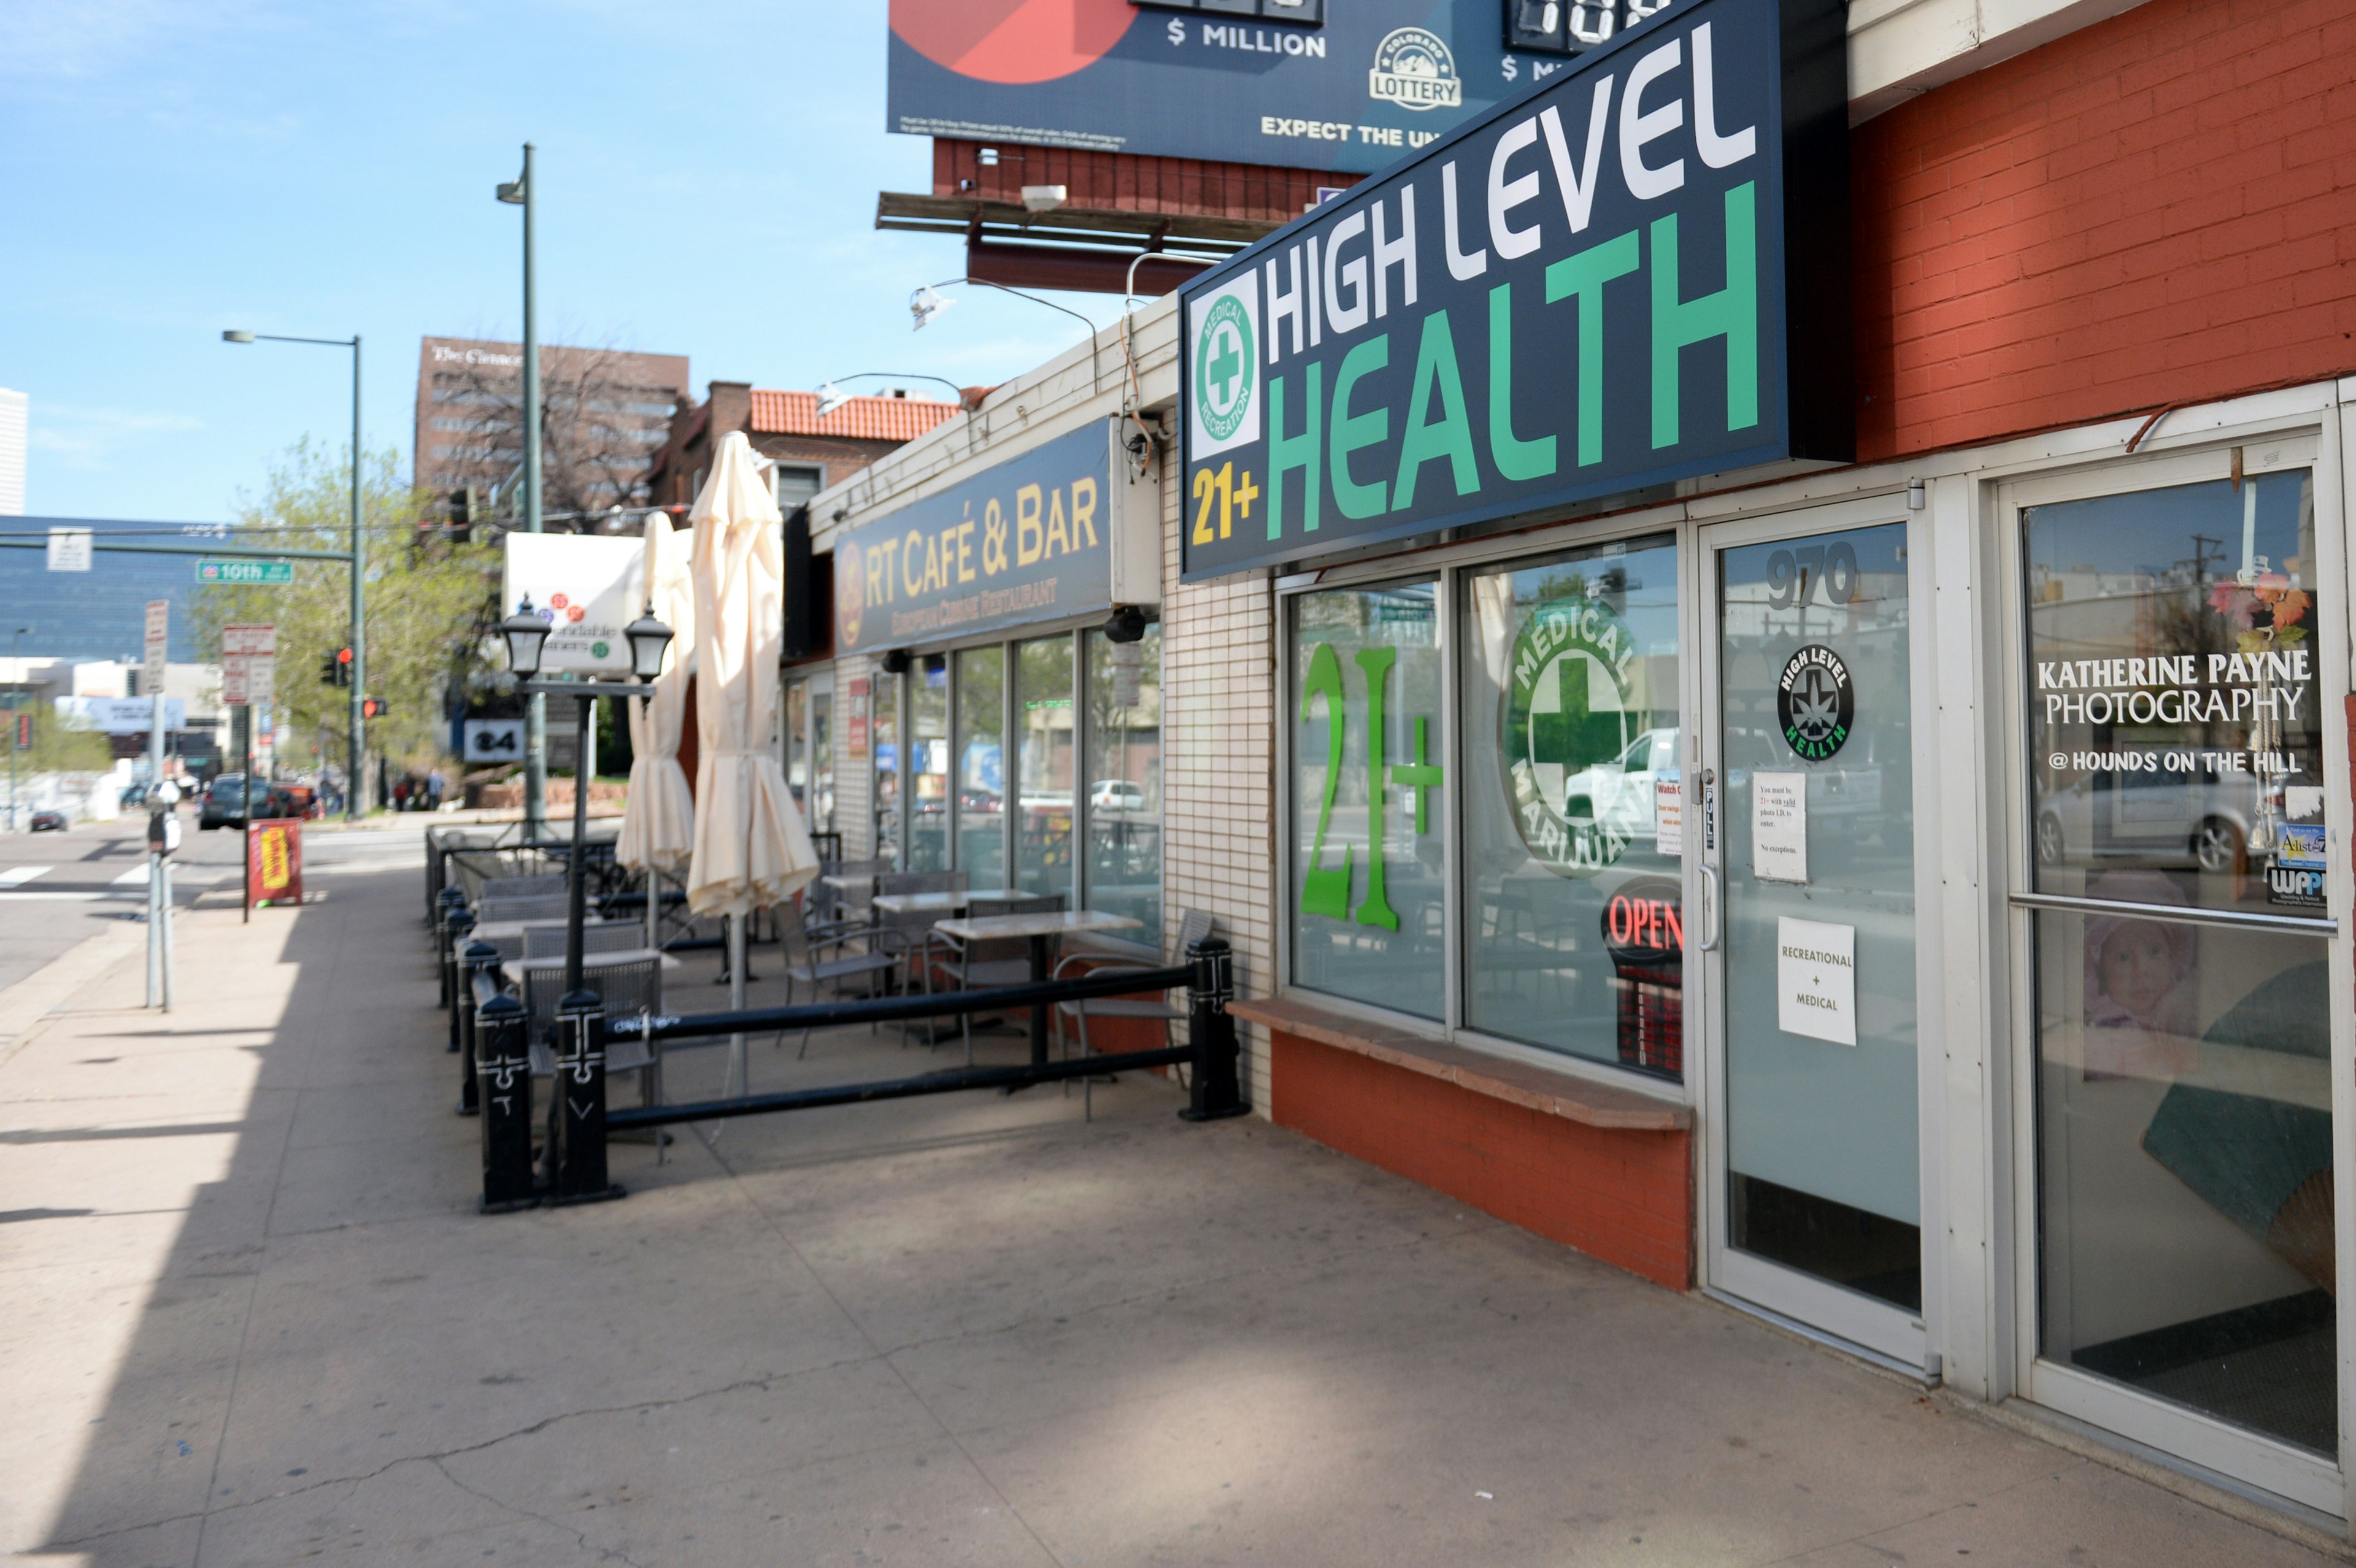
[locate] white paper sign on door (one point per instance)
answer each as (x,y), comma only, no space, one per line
(1779,827)
(1816,980)
(1669,817)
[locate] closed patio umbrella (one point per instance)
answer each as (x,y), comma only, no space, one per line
(751,849)
(659,823)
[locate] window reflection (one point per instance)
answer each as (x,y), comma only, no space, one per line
(1368,785)
(1575,923)
(2174,709)
(1124,780)
(2184,1090)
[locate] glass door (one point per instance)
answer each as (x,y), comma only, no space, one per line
(1815,1186)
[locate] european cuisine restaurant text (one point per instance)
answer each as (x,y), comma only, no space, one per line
(1807,746)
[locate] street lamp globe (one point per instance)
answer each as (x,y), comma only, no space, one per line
(524,632)
(649,641)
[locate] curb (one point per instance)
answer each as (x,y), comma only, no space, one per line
(32,1001)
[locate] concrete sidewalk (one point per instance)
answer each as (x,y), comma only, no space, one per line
(248,1316)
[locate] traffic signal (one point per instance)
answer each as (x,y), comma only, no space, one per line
(336,669)
(372,706)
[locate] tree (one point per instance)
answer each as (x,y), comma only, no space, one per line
(590,458)
(431,605)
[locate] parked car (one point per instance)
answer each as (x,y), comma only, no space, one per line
(224,804)
(1115,794)
(49,822)
(132,795)
(2194,819)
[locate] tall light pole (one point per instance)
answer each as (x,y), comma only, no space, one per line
(355,785)
(518,192)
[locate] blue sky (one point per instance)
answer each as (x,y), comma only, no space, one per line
(708,176)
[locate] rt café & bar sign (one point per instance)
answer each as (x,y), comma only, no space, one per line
(1633,274)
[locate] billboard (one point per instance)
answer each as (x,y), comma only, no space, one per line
(1350,86)
(1633,274)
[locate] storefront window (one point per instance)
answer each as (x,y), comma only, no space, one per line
(821,753)
(1124,780)
(929,765)
(795,721)
(2174,711)
(883,730)
(1044,717)
(1574,935)
(2184,1085)
(979,789)
(1368,793)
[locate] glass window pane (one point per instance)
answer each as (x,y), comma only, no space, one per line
(822,741)
(2184,1111)
(796,738)
(980,784)
(1124,778)
(884,742)
(1368,788)
(1042,708)
(2184,1086)
(1823,1117)
(1574,933)
(2174,711)
(929,765)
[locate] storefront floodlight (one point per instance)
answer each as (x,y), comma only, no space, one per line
(649,640)
(1126,624)
(524,632)
(831,396)
(925,303)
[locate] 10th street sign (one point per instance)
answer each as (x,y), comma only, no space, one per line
(1635,273)
(262,574)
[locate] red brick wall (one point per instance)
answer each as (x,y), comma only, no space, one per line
(2159,208)
(1133,182)
(1624,1197)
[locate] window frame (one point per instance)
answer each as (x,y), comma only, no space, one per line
(1444,565)
(2247,1457)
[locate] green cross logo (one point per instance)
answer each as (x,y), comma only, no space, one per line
(1566,714)
(1226,369)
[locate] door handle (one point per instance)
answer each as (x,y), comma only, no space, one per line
(1713,911)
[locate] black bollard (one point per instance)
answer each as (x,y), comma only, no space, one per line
(503,1062)
(457,923)
(1214,1093)
(481,963)
(579,1123)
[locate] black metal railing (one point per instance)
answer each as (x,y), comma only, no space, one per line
(496,1045)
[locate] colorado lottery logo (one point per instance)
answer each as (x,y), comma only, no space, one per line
(1567,722)
(1414,69)
(1815,705)
(1226,361)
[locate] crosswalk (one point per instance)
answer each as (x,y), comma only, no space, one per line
(95,883)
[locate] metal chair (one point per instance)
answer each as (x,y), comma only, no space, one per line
(1192,927)
(833,904)
(520,887)
(907,935)
(799,944)
(988,961)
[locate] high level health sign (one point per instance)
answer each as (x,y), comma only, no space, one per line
(1633,273)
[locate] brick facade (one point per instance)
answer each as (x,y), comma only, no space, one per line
(1131,181)
(1624,1197)
(2160,208)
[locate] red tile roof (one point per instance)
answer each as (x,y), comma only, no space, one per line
(861,419)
